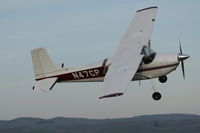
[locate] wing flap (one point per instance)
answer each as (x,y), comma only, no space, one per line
(128,56)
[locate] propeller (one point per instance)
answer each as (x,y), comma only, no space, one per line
(182,63)
(181,58)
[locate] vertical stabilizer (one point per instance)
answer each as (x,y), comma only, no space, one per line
(42,63)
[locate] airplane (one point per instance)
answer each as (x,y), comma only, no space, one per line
(134,60)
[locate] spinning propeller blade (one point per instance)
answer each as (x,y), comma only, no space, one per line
(183,69)
(182,57)
(180,47)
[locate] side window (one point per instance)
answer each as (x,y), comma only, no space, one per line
(149,59)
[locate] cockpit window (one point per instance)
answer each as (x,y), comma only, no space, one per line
(149,59)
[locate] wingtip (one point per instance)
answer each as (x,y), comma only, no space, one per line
(147,8)
(111,95)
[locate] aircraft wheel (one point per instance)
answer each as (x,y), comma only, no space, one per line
(156,96)
(163,79)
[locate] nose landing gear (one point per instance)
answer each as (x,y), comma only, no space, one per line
(162,79)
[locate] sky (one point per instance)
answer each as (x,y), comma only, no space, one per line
(77,32)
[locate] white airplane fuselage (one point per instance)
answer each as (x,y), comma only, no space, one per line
(162,64)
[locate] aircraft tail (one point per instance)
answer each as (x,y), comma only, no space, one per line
(44,69)
(42,64)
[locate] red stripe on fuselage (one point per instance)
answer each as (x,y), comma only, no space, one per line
(158,67)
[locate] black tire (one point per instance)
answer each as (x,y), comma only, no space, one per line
(156,96)
(163,79)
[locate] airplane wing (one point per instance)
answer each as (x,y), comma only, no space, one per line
(45,84)
(128,56)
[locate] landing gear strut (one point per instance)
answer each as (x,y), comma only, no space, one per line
(156,96)
(163,79)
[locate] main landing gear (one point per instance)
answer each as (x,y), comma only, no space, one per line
(156,96)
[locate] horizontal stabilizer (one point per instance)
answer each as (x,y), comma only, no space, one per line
(45,84)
